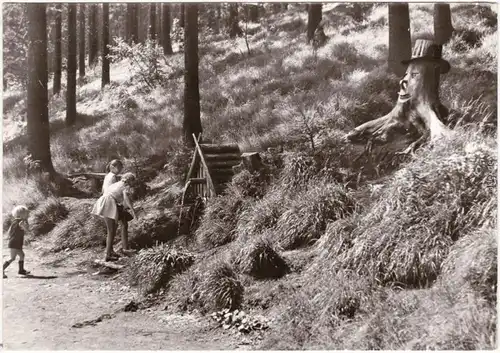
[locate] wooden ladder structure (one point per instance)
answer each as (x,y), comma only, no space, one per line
(211,169)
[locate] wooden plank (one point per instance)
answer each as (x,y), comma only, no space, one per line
(193,181)
(217,149)
(192,168)
(221,173)
(210,183)
(87,175)
(236,157)
(222,164)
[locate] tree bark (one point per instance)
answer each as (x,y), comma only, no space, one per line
(192,121)
(234,27)
(314,14)
(71,67)
(399,37)
(152,21)
(57,51)
(182,15)
(167,43)
(105,42)
(443,28)
(128,29)
(253,13)
(93,35)
(418,110)
(81,61)
(37,101)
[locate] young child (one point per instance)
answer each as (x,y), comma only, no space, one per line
(16,238)
(107,207)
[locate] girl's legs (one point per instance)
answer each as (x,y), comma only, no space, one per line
(124,226)
(22,271)
(111,227)
(13,254)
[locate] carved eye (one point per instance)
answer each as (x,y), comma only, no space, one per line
(414,74)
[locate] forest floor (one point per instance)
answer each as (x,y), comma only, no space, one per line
(41,312)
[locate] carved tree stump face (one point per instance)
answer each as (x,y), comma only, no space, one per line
(416,111)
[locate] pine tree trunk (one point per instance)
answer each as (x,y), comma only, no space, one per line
(105,43)
(253,13)
(71,73)
(129,23)
(37,101)
(192,121)
(234,27)
(81,61)
(443,28)
(167,43)
(182,15)
(57,51)
(314,15)
(399,37)
(152,21)
(135,23)
(159,33)
(93,35)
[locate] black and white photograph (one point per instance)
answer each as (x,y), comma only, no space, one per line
(249,176)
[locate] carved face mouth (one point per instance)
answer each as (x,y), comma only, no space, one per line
(403,93)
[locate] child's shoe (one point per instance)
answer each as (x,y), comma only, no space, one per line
(4,275)
(22,271)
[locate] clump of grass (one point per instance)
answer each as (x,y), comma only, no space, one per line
(299,168)
(47,215)
(218,223)
(261,260)
(221,288)
(263,215)
(153,227)
(473,261)
(435,200)
(80,229)
(153,268)
(310,211)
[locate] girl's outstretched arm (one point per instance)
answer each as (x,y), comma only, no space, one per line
(128,203)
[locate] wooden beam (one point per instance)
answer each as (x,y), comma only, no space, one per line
(109,264)
(217,149)
(210,183)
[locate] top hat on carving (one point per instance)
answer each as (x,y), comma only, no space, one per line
(427,50)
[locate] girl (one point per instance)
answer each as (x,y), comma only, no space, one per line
(113,169)
(107,207)
(16,238)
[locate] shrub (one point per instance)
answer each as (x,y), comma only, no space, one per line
(310,211)
(153,268)
(221,288)
(261,260)
(156,226)
(439,197)
(218,223)
(47,215)
(80,229)
(473,261)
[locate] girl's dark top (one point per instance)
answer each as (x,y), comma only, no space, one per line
(16,235)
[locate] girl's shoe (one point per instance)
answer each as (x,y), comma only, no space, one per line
(24,272)
(111,258)
(4,275)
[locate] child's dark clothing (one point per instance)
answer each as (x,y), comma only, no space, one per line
(16,235)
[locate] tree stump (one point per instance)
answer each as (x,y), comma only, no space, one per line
(418,110)
(250,161)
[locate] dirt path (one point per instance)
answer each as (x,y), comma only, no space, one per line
(39,312)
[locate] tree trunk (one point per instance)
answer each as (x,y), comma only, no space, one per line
(152,21)
(253,13)
(81,61)
(128,30)
(192,121)
(167,43)
(159,32)
(357,12)
(135,23)
(37,101)
(57,51)
(417,110)
(182,15)
(399,37)
(234,27)
(314,14)
(443,28)
(71,73)
(93,35)
(105,43)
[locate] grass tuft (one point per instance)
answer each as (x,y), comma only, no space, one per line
(261,260)
(47,215)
